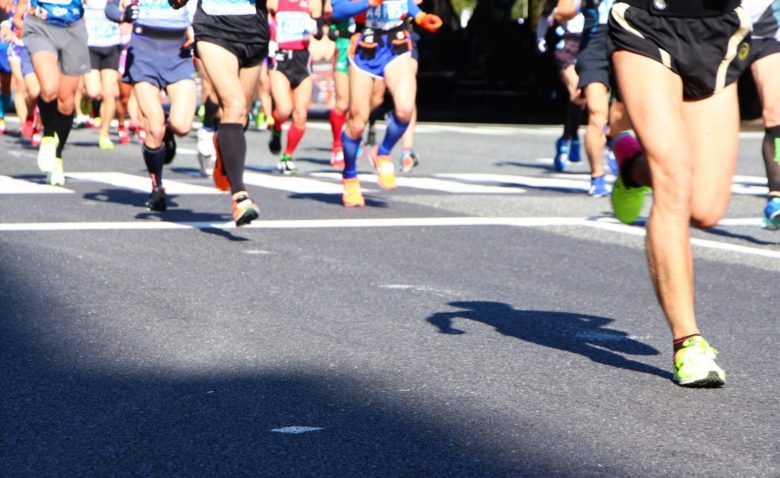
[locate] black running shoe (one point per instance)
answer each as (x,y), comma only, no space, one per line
(169,142)
(275,143)
(156,201)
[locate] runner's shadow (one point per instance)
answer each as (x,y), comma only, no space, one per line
(585,335)
(336,199)
(744,237)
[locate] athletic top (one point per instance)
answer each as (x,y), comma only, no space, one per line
(389,15)
(243,21)
(292,25)
(686,8)
(595,15)
(757,8)
(101,31)
(60,13)
(155,14)
(17,38)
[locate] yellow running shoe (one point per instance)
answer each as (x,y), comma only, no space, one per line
(104,142)
(385,171)
(694,364)
(47,153)
(352,196)
(56,177)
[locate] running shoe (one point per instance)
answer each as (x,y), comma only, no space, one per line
(337,159)
(286,165)
(772,214)
(124,136)
(627,202)
(94,123)
(36,139)
(169,142)
(352,196)
(2,126)
(104,142)
(201,112)
(574,151)
(244,209)
(80,121)
(598,187)
(275,143)
(694,364)
(47,153)
(609,157)
(56,177)
(561,159)
(206,151)
(218,175)
(156,201)
(383,164)
(27,128)
(409,160)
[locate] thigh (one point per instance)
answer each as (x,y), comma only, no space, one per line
(360,85)
(280,90)
(110,81)
(401,80)
(302,98)
(183,100)
(47,70)
(147,98)
(249,78)
(92,82)
(223,70)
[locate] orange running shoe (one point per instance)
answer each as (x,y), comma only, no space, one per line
(385,171)
(220,179)
(352,196)
(244,209)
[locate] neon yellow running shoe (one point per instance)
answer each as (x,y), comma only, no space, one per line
(694,364)
(104,142)
(56,177)
(627,202)
(47,153)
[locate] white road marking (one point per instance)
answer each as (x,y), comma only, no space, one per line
(432,184)
(528,181)
(598,223)
(296,430)
(9,185)
(138,183)
(293,184)
(186,151)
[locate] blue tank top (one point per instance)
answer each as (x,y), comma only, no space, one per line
(61,13)
(159,14)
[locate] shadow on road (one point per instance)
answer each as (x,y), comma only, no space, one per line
(581,334)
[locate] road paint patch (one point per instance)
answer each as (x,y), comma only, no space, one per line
(255,252)
(293,184)
(139,183)
(527,181)
(9,185)
(420,288)
(296,430)
(432,184)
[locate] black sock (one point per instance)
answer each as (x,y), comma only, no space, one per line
(232,150)
(62,127)
(210,113)
(96,108)
(48,112)
(678,343)
(154,159)
(572,122)
(771,153)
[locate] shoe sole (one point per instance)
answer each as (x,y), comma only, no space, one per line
(249,215)
(712,380)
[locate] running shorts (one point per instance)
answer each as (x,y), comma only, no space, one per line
(68,43)
(159,61)
(371,51)
(248,54)
(765,39)
(294,64)
(592,61)
(341,56)
(5,67)
(566,56)
(708,53)
(20,54)
(105,57)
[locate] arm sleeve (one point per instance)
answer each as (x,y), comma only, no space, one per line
(413,9)
(343,9)
(112,11)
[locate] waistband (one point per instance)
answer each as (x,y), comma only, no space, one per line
(160,33)
(686,8)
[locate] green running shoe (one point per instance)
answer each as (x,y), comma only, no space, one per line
(47,153)
(627,202)
(56,177)
(694,364)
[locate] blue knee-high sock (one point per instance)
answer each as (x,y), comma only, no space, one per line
(351,147)
(4,104)
(395,129)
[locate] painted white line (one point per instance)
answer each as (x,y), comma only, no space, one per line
(186,151)
(295,430)
(292,184)
(432,184)
(531,182)
(9,185)
(138,183)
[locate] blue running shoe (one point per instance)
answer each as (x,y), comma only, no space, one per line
(574,151)
(772,214)
(598,187)
(561,159)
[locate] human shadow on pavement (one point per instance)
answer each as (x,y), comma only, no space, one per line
(581,334)
(744,237)
(335,199)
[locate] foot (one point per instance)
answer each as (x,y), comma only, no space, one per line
(574,151)
(561,159)
(156,201)
(124,136)
(598,187)
(104,142)
(409,161)
(56,177)
(286,165)
(352,196)
(626,201)
(244,209)
(694,364)
(2,126)
(47,153)
(337,159)
(772,214)
(383,164)
(275,142)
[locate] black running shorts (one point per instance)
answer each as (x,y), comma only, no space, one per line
(294,64)
(105,57)
(707,53)
(593,59)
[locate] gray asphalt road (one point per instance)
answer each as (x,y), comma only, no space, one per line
(431,333)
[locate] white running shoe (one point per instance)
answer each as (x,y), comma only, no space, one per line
(206,152)
(47,153)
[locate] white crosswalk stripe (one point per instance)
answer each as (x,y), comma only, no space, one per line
(293,184)
(139,183)
(9,185)
(432,184)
